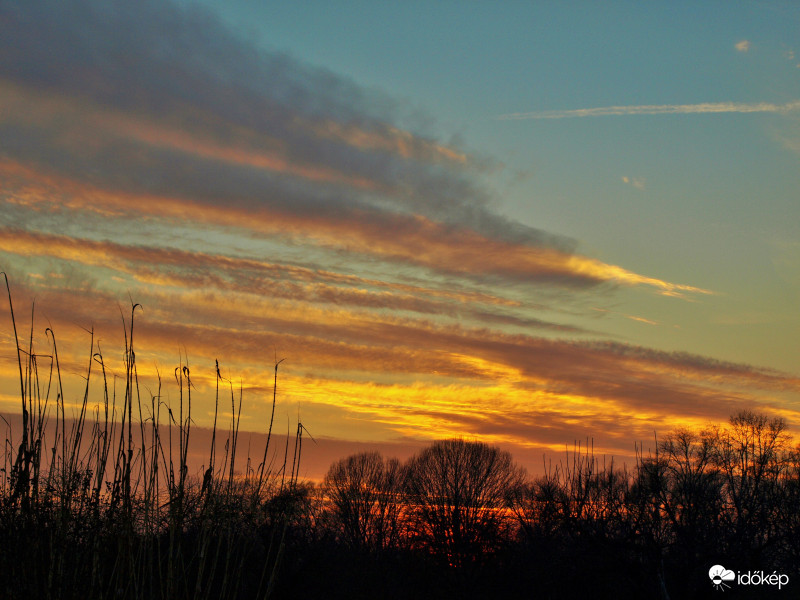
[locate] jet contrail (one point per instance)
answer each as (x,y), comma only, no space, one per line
(657,109)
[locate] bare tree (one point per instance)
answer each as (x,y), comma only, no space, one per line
(692,498)
(540,506)
(788,509)
(363,490)
(580,495)
(752,454)
(457,493)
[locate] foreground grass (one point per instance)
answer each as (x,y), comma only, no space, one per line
(100,504)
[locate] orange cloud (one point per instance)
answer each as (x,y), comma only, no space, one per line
(247,329)
(411,239)
(20,104)
(390,139)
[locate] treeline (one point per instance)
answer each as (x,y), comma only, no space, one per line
(460,519)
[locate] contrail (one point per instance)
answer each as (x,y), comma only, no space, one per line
(657,109)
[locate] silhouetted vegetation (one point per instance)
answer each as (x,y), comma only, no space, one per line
(102,505)
(466,522)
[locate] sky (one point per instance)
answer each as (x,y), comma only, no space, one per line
(522,223)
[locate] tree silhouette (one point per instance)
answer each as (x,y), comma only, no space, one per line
(363,490)
(457,493)
(751,455)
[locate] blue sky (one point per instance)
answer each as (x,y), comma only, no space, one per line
(704,198)
(522,222)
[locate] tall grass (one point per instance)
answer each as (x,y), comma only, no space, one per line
(100,502)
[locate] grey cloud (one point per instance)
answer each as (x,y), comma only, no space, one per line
(179,68)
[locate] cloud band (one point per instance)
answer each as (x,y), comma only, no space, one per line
(657,109)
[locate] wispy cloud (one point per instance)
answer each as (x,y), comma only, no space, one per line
(658,109)
(637,182)
(405,238)
(180,269)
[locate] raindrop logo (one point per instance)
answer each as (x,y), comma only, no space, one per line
(719,575)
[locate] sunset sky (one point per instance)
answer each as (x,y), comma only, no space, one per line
(527,223)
